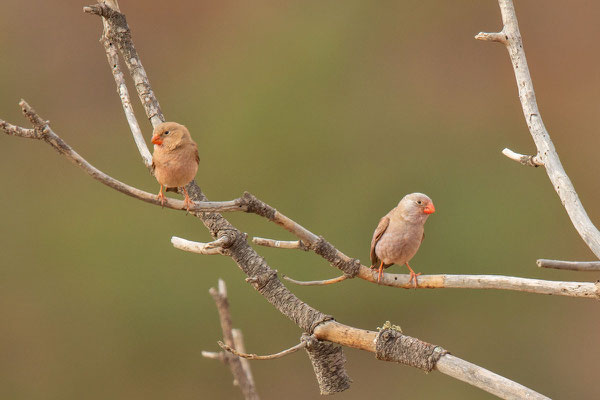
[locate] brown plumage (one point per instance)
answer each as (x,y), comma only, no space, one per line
(400,233)
(175,159)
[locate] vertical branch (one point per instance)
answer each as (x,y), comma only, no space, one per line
(113,62)
(244,380)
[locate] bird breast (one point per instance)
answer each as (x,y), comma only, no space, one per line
(175,168)
(399,243)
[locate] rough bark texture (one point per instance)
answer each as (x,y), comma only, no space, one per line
(328,363)
(349,267)
(392,345)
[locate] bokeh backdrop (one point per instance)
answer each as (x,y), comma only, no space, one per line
(330,111)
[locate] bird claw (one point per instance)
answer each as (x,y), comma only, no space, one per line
(187,202)
(414,276)
(161,197)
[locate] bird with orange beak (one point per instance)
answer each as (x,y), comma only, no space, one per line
(400,233)
(175,159)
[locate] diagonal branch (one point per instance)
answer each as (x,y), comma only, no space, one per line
(546,152)
(249,203)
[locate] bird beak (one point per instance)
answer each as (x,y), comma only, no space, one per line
(430,209)
(156,140)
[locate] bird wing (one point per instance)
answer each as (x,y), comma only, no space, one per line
(379,231)
(196,154)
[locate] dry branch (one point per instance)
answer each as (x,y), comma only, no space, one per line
(238,340)
(245,382)
(317,283)
(280,244)
(247,356)
(211,248)
(249,203)
(510,36)
(569,265)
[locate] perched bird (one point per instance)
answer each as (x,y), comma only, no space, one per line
(400,233)
(175,159)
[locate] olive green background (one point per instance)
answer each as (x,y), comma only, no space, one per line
(330,111)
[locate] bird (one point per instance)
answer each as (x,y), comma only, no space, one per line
(400,233)
(175,159)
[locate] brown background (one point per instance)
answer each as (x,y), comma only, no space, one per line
(331,112)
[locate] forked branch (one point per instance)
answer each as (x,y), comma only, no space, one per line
(547,156)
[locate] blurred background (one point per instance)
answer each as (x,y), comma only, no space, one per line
(331,112)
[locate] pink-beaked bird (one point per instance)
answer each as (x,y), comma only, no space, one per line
(175,159)
(400,233)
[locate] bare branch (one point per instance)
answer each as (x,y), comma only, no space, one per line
(341,261)
(500,282)
(531,161)
(318,244)
(547,154)
(113,62)
(117,31)
(245,382)
(283,353)
(238,340)
(211,248)
(14,130)
(317,283)
(43,131)
(280,244)
(569,265)
(447,364)
(491,37)
(219,355)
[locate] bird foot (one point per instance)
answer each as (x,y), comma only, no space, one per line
(161,197)
(187,202)
(414,276)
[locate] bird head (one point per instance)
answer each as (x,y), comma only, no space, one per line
(170,135)
(416,206)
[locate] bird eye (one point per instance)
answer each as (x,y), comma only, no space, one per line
(166,132)
(419,202)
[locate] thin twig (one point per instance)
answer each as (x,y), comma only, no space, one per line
(247,356)
(280,244)
(211,248)
(569,265)
(546,152)
(245,383)
(214,355)
(531,161)
(317,283)
(238,340)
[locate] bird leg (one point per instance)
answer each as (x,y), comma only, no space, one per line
(380,272)
(413,276)
(380,268)
(187,202)
(161,196)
